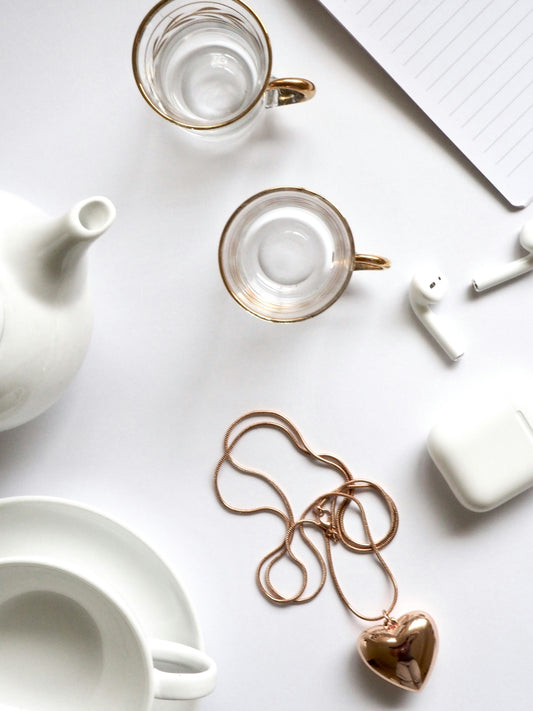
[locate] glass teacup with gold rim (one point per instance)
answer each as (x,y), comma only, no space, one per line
(206,66)
(287,254)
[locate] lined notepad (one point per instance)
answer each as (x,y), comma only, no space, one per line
(469,65)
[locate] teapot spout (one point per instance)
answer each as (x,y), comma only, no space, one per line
(90,218)
(48,253)
(66,240)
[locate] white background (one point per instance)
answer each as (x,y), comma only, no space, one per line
(173,360)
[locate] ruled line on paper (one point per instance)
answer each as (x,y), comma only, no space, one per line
(508,128)
(399,20)
(417,27)
(435,33)
(382,13)
(518,165)
(468,65)
(514,146)
(454,39)
(503,110)
(493,72)
(469,48)
(496,93)
(364,6)
(485,56)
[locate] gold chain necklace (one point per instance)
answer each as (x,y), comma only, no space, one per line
(401,651)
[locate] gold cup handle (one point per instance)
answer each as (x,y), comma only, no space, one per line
(369,261)
(281,92)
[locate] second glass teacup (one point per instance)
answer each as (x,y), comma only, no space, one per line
(287,254)
(206,66)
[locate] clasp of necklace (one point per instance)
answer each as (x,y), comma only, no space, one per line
(324,520)
(390,622)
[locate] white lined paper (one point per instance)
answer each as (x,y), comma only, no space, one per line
(469,65)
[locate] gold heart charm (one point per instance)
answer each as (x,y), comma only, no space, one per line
(401,651)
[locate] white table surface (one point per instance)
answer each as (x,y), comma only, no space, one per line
(173,360)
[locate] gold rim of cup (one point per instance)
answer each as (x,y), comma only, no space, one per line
(137,74)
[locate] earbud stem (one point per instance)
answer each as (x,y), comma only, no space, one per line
(493,277)
(448,341)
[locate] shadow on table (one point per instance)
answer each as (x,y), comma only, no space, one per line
(373,687)
(19,446)
(456,518)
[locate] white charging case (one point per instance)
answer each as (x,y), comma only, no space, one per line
(484,450)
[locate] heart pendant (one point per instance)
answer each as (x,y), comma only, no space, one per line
(401,651)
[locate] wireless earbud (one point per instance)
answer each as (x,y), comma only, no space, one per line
(427,288)
(493,277)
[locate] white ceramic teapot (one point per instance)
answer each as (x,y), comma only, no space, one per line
(45,307)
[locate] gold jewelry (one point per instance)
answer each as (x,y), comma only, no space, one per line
(401,651)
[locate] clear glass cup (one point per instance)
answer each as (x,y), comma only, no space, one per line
(287,254)
(205,66)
